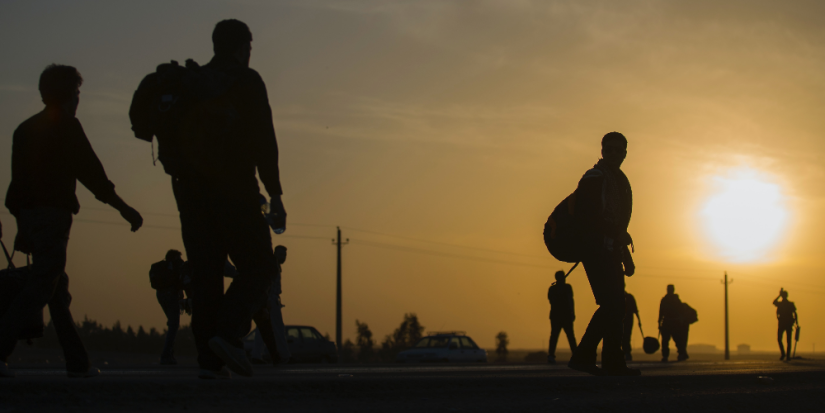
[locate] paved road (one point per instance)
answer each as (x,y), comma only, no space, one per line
(674,387)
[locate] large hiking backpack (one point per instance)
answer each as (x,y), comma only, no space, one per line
(191,112)
(564,234)
(162,277)
(12,281)
(689,315)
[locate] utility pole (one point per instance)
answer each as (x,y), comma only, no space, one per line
(727,329)
(337,242)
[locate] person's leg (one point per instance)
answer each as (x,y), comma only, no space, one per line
(170,303)
(571,336)
(260,318)
(278,329)
(204,249)
(789,333)
(627,332)
(665,343)
(249,244)
(779,332)
(77,360)
(44,232)
(604,272)
(555,330)
(682,341)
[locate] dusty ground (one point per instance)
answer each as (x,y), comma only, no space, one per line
(706,385)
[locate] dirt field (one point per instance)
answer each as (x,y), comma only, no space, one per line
(134,384)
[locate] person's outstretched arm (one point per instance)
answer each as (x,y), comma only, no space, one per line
(265,143)
(90,173)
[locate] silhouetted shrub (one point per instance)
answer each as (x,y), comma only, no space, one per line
(501,346)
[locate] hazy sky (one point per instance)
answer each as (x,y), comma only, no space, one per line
(465,123)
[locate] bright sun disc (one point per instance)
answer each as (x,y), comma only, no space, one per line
(746,217)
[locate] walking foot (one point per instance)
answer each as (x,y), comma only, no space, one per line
(235,358)
(590,368)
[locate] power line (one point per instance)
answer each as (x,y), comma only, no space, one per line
(442,254)
(162,214)
(440,243)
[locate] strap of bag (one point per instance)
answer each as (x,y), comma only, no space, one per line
(8,257)
(640,329)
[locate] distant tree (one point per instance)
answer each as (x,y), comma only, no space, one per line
(365,343)
(405,336)
(501,346)
(96,337)
(346,354)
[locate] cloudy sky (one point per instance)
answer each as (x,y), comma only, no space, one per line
(440,135)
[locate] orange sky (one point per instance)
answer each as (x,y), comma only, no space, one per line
(462,123)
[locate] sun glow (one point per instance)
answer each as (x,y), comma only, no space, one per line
(746,217)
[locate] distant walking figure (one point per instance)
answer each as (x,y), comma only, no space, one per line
(50,153)
(603,202)
(270,321)
(562,315)
(167,278)
(630,309)
(672,324)
(787,317)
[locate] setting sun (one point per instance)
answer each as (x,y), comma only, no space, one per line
(746,217)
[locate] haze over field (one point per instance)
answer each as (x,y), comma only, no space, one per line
(465,123)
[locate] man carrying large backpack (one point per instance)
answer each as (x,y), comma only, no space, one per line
(223,135)
(603,203)
(50,153)
(672,323)
(166,277)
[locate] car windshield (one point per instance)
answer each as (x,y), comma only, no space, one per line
(433,342)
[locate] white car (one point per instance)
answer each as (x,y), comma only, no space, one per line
(451,347)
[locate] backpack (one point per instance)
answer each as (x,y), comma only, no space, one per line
(564,234)
(187,109)
(162,277)
(689,315)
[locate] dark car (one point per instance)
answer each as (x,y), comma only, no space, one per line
(306,344)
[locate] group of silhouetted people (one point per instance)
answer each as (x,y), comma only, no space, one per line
(213,152)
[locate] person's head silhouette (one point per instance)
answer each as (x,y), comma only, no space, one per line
(60,87)
(784,294)
(174,257)
(614,149)
(560,277)
(671,289)
(232,38)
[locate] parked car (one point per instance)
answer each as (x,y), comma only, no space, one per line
(306,344)
(451,346)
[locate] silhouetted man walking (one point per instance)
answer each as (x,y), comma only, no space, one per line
(603,202)
(167,279)
(672,324)
(50,153)
(223,142)
(630,309)
(787,317)
(562,315)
